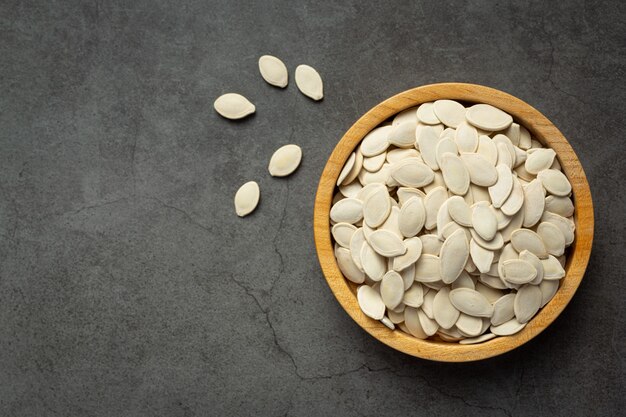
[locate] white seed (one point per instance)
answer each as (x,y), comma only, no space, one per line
(412,323)
(515,200)
(460,211)
(350,190)
(463,281)
(392,289)
(455,174)
(469,325)
(471,302)
(347,169)
(507,328)
(484,221)
(398,154)
(427,140)
(534,200)
(395,318)
(487,149)
(539,160)
(450,112)
(274,71)
(408,115)
(437,182)
(494,244)
(387,243)
(376,207)
(412,217)
(566,226)
(526,239)
(373,264)
(429,300)
(348,210)
(408,276)
(431,245)
(479,339)
(375,142)
(480,170)
(426,114)
(503,309)
(392,223)
(427,268)
(552,237)
(388,323)
(343,232)
(444,312)
(374,163)
(370,302)
(493,282)
(491,294)
(413,251)
(403,135)
(405,193)
(503,139)
(524,138)
(481,257)
(520,156)
(309,82)
(531,258)
(450,228)
(356,244)
(466,138)
(513,133)
(429,325)
(382,176)
(445,145)
(562,206)
(233,106)
(348,267)
(504,156)
(285,160)
(527,302)
(247,198)
(454,254)
(487,117)
(411,172)
(548,290)
(555,182)
(433,201)
(414,296)
(356,168)
(517,271)
(552,269)
(501,190)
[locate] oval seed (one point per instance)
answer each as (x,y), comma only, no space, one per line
(348,210)
(552,237)
(426,114)
(388,323)
(374,163)
(398,154)
(392,222)
(507,328)
(395,318)
(408,276)
(539,160)
(405,193)
(455,174)
(412,217)
(273,70)
(408,115)
(494,244)
(471,302)
(469,325)
(517,271)
(343,232)
(427,306)
(466,138)
(392,289)
(555,182)
(478,339)
(484,221)
(527,302)
(413,251)
(411,172)
(431,245)
(548,290)
(481,257)
(387,243)
(348,267)
(376,207)
(450,112)
(552,269)
(350,190)
(437,182)
(309,82)
(347,169)
(504,156)
(526,239)
(370,302)
(445,145)
(515,200)
(501,190)
(481,172)
(412,323)
(487,117)
(487,149)
(373,264)
(433,201)
(285,160)
(247,198)
(562,206)
(566,226)
(414,296)
(533,202)
(403,135)
(534,261)
(444,312)
(503,309)
(233,106)
(427,140)
(454,254)
(427,269)
(460,211)
(375,142)
(429,325)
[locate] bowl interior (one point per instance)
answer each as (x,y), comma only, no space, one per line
(541,129)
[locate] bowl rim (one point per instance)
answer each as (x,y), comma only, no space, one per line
(541,129)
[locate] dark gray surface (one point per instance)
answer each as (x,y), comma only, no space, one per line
(129,287)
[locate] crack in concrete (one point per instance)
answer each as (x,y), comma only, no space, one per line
(94,206)
(281,268)
(181,211)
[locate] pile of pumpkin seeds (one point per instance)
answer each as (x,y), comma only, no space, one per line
(454,223)
(235,106)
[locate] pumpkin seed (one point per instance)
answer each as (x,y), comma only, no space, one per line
(444,312)
(507,328)
(376,207)
(427,139)
(395,318)
(427,268)
(429,300)
(414,296)
(503,309)
(431,245)
(429,325)
(562,206)
(274,71)
(405,193)
(408,115)
(233,106)
(552,237)
(487,117)
(247,198)
(403,135)
(552,269)
(356,243)
(437,182)
(392,289)
(566,226)
(309,82)
(433,201)
(481,257)
(412,323)
(285,160)
(374,265)
(370,302)
(535,262)
(388,323)
(374,163)
(426,114)
(501,190)
(454,254)
(348,210)
(466,138)
(481,172)
(478,339)
(517,271)
(548,290)
(515,200)
(392,223)
(411,172)
(350,190)
(387,243)
(444,145)
(555,182)
(527,302)
(524,138)
(412,217)
(469,325)
(526,239)
(484,221)
(494,244)
(460,211)
(450,112)
(408,276)
(471,302)
(413,251)
(455,174)
(348,267)
(342,232)
(375,142)
(398,154)
(539,160)
(504,156)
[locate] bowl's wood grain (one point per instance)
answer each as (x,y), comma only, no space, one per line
(543,130)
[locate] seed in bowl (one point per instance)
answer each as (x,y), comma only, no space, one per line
(453,222)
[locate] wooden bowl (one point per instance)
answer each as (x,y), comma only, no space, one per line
(541,129)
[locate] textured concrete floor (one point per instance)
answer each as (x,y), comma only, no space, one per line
(128,287)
